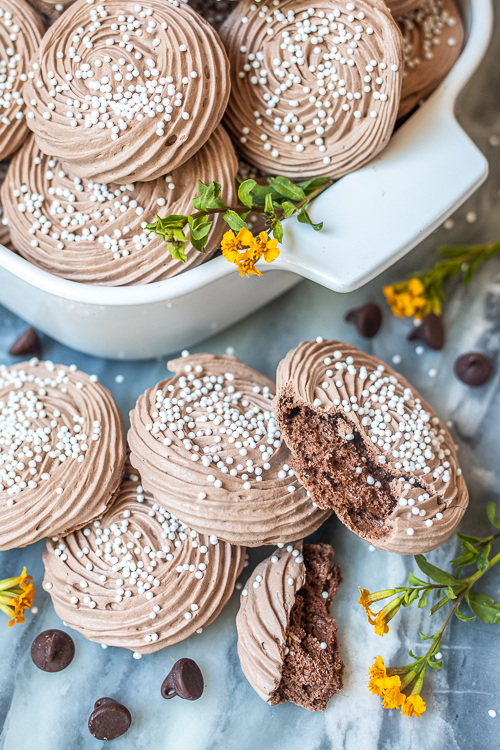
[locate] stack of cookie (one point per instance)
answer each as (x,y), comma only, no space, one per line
(125,102)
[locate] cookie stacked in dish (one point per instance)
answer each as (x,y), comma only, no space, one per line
(124,102)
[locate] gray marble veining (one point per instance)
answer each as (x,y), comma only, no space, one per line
(39,711)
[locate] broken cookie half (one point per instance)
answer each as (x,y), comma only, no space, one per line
(365,444)
(287,641)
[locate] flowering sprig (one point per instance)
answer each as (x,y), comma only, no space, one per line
(276,201)
(450,589)
(424,292)
(16,595)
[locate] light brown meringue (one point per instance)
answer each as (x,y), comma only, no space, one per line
(263,617)
(16,50)
(400,8)
(71,423)
(187,579)
(220,477)
(433,36)
(337,113)
(108,132)
(109,245)
(418,456)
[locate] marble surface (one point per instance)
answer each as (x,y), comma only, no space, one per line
(50,711)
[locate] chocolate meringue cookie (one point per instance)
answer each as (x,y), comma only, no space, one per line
(62,451)
(315,91)
(287,643)
(20,35)
(109,245)
(367,445)
(138,577)
(207,448)
(400,8)
(50,9)
(433,36)
(121,94)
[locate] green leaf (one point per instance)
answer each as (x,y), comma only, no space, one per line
(304,218)
(198,244)
(207,194)
(278,230)
(483,559)
(435,664)
(423,599)
(491,512)
(245,192)
(235,221)
(177,245)
(200,230)
(435,574)
(310,186)
(473,539)
(410,597)
(414,581)
(259,194)
(450,593)
(463,617)
(268,204)
(287,189)
(440,604)
(426,637)
(288,209)
(486,608)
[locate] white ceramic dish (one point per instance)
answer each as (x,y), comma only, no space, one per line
(371,218)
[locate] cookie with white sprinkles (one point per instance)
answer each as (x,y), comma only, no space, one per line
(21,32)
(287,641)
(207,447)
(433,36)
(314,89)
(138,577)
(122,92)
(96,233)
(365,444)
(62,451)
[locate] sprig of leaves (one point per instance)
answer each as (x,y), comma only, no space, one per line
(277,200)
(450,588)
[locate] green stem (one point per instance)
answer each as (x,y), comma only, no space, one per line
(261,209)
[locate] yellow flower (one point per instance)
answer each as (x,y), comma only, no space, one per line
(257,247)
(16,595)
(381,626)
(364,600)
(414,705)
(268,248)
(231,246)
(391,688)
(407,298)
(377,672)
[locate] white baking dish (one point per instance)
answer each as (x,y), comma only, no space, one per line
(371,218)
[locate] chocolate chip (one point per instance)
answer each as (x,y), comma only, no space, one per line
(430,332)
(473,368)
(109,719)
(27,345)
(185,680)
(367,319)
(52,650)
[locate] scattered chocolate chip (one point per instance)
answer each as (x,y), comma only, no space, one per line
(473,368)
(185,680)
(109,719)
(430,332)
(367,319)
(27,345)
(52,650)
